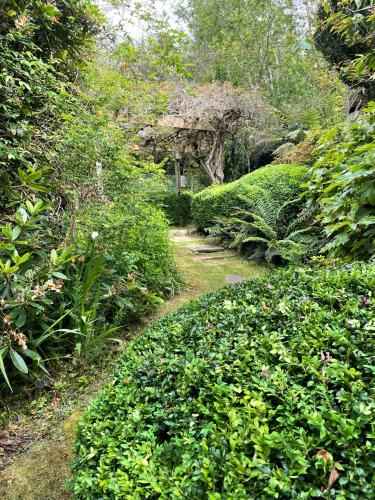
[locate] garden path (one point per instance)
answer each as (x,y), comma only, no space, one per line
(41,470)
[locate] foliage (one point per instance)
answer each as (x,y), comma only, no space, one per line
(63,293)
(273,240)
(31,276)
(118,199)
(61,30)
(178,208)
(260,390)
(40,45)
(162,55)
(272,186)
(303,152)
(345,36)
(262,44)
(343,185)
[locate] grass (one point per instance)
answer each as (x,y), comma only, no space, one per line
(202,277)
(41,471)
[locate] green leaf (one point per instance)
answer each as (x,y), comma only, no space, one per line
(11,13)
(51,10)
(7,232)
(21,319)
(59,275)
(18,361)
(16,232)
(3,353)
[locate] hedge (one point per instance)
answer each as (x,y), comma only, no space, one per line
(261,390)
(178,208)
(269,186)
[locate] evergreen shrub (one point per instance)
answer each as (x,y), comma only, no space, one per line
(260,390)
(272,185)
(178,208)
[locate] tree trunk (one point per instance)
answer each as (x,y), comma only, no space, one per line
(177,169)
(214,165)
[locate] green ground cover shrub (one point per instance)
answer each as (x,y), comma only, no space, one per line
(178,208)
(342,184)
(270,186)
(260,390)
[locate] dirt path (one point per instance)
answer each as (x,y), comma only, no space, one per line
(40,472)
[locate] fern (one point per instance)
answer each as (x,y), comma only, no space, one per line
(272,239)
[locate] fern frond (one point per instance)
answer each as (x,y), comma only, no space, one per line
(255,239)
(287,204)
(289,244)
(293,235)
(262,226)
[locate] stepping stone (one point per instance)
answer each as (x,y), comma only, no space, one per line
(215,256)
(182,239)
(205,249)
(180,232)
(235,278)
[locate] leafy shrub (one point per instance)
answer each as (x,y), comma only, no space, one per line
(119,199)
(302,153)
(272,185)
(40,45)
(178,208)
(260,390)
(343,186)
(344,35)
(31,279)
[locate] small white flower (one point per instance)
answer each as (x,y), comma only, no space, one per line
(23,214)
(94,235)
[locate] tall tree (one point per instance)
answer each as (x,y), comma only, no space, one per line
(259,43)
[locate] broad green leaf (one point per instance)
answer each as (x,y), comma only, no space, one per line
(16,232)
(18,361)
(21,319)
(3,353)
(7,232)
(59,275)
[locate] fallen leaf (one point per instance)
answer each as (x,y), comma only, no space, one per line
(333,477)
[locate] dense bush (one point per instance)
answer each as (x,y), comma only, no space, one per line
(259,390)
(345,36)
(178,208)
(343,186)
(41,47)
(112,194)
(83,239)
(272,185)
